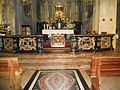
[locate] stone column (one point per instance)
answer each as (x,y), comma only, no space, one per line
(32,21)
(68,14)
(53,11)
(43,12)
(46,11)
(11,18)
(50,11)
(96,11)
(1,3)
(73,10)
(76,11)
(41,7)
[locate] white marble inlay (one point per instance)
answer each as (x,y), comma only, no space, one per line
(57,31)
(28,73)
(26,77)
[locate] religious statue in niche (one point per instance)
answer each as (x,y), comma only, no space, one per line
(59,16)
(27,8)
(4,17)
(8,18)
(59,11)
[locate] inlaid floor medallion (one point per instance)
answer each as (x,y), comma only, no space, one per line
(57,80)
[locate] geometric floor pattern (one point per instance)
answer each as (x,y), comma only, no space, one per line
(60,79)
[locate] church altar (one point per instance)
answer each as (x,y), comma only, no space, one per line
(57,38)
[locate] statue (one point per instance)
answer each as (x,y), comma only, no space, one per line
(4,17)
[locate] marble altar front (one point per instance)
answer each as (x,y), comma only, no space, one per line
(57,36)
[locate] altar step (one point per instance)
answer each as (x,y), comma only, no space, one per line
(54,61)
(57,50)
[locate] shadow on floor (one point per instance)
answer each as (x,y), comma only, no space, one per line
(110,83)
(4,81)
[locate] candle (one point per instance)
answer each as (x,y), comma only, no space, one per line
(53,27)
(44,26)
(70,13)
(59,25)
(47,26)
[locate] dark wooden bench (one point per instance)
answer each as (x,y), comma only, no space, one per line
(100,66)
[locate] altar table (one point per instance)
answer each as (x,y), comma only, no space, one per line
(57,31)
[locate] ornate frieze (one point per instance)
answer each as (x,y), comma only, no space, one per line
(91,42)
(8,43)
(105,42)
(86,43)
(57,41)
(27,43)
(32,43)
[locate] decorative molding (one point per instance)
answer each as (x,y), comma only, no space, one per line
(57,41)
(27,43)
(86,43)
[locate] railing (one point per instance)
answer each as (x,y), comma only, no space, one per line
(32,43)
(91,42)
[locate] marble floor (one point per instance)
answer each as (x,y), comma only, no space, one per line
(25,78)
(107,82)
(4,81)
(110,83)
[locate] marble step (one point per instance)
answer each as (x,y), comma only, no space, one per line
(54,62)
(54,55)
(54,66)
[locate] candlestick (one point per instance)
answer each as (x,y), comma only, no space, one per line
(47,26)
(44,26)
(59,25)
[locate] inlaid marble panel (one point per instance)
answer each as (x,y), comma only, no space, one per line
(27,43)
(57,41)
(105,42)
(86,43)
(8,43)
